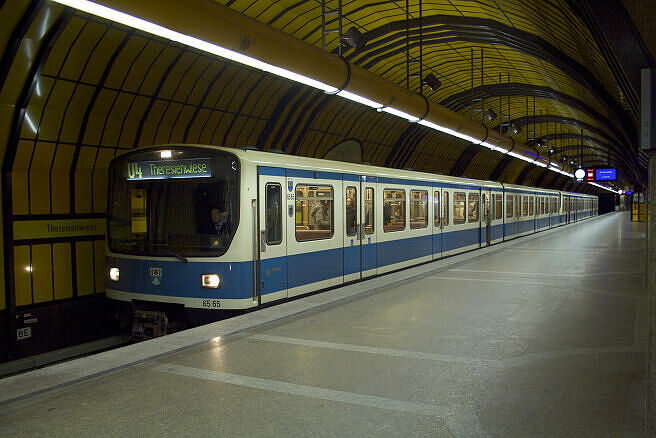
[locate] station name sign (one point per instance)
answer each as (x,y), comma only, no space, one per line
(188,168)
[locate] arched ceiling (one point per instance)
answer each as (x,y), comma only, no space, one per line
(78,89)
(543,65)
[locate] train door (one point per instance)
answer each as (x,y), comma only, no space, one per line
(486,221)
(359,227)
(438,224)
(445,230)
(534,211)
(273,194)
(352,233)
(367,227)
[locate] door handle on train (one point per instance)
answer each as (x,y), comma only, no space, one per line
(262,241)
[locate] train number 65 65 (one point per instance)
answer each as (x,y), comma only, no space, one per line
(212,304)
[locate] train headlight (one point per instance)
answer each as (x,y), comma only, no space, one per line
(114,274)
(211,281)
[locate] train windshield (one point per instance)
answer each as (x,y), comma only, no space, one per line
(173,202)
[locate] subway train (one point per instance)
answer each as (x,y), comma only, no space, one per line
(200,230)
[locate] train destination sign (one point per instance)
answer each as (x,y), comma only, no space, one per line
(187,168)
(605,174)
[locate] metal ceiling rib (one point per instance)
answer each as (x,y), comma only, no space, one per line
(539,49)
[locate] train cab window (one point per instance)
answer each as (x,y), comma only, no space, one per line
(445,209)
(393,210)
(351,209)
(436,209)
(473,207)
(510,208)
(314,212)
(459,200)
(368,210)
(498,206)
(524,205)
(418,209)
(187,206)
(273,225)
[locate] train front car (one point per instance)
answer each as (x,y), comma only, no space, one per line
(173,218)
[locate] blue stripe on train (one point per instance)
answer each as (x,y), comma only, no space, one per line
(396,251)
(182,279)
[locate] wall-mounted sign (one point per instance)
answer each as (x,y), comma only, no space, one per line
(57,228)
(579,174)
(168,169)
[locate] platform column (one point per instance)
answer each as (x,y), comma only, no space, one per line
(650,412)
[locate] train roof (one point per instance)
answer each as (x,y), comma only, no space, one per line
(273,159)
(320,164)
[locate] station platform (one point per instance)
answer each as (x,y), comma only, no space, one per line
(543,336)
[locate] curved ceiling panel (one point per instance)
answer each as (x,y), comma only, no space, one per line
(485,54)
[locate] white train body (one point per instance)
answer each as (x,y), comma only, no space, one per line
(162,247)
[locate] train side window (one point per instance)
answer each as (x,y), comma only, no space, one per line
(472,207)
(541,205)
(393,210)
(510,207)
(273,223)
(498,206)
(351,210)
(518,205)
(418,209)
(459,200)
(314,212)
(524,205)
(445,216)
(531,205)
(436,209)
(368,210)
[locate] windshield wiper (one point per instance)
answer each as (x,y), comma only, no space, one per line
(165,246)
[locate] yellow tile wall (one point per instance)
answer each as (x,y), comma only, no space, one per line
(99,259)
(42,273)
(63,271)
(84,268)
(22,275)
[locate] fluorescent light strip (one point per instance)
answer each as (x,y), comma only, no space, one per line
(448,131)
(155,29)
(359,99)
(494,148)
(399,113)
(521,157)
(605,188)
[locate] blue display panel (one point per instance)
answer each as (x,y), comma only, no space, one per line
(605,174)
